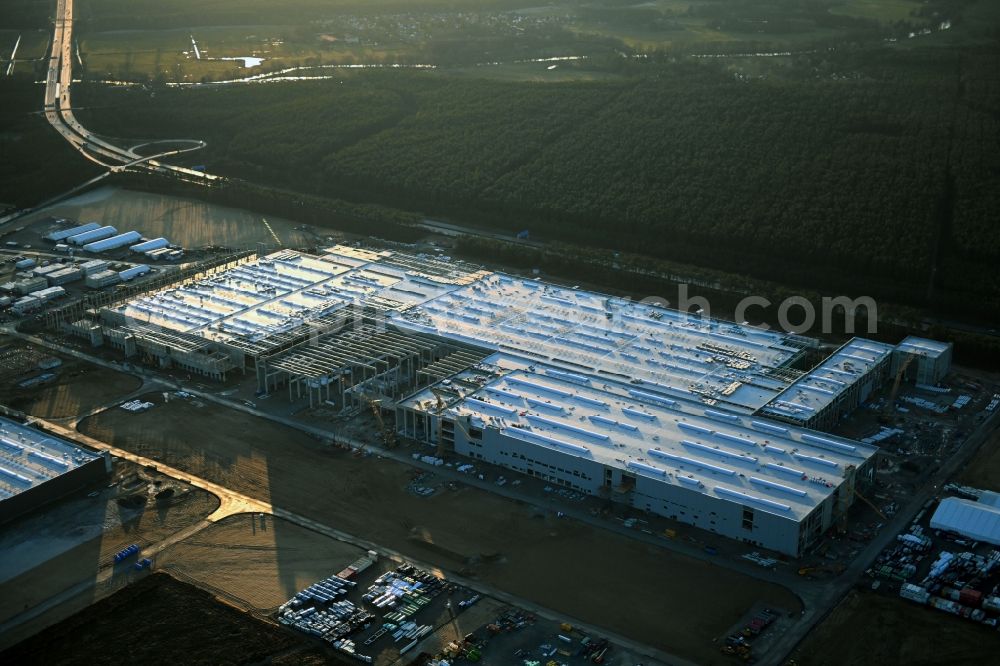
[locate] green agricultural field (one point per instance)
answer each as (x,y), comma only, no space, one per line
(33,44)
(884,11)
(459,34)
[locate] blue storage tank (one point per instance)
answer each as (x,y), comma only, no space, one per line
(92,235)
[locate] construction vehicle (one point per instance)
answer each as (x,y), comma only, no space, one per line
(388,436)
(890,401)
(835,569)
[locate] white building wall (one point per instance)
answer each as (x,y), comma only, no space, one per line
(699,509)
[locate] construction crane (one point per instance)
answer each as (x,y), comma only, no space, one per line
(388,436)
(890,402)
(869,503)
(441,404)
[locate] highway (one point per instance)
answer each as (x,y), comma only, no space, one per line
(59,113)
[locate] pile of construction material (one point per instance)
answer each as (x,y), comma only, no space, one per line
(947,587)
(136,406)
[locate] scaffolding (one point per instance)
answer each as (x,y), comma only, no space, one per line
(348,368)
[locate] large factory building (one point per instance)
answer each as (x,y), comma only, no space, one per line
(37,468)
(701,420)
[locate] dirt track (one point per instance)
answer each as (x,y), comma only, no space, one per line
(260,560)
(867,628)
(647,593)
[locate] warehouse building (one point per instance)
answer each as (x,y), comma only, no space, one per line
(37,468)
(979,521)
(928,361)
(62,234)
(835,387)
(701,420)
(771,485)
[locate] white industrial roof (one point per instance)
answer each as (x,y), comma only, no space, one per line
(923,346)
(820,386)
(29,457)
(774,467)
(972,519)
(671,352)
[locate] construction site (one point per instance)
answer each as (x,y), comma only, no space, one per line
(485,428)
(706,422)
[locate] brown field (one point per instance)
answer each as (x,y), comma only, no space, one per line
(160,620)
(76,389)
(260,560)
(868,628)
(185,222)
(527,550)
(983,471)
(65,544)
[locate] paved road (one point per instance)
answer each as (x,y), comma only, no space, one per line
(59,112)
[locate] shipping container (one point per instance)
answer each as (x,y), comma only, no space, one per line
(24,264)
(28,285)
(102,279)
(120,240)
(26,304)
(160,253)
(46,295)
(92,235)
(70,274)
(94,266)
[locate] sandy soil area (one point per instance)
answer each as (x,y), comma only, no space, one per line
(983,471)
(647,593)
(260,560)
(50,550)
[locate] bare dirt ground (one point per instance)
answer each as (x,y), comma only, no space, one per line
(187,222)
(868,628)
(160,620)
(259,560)
(62,544)
(983,471)
(76,388)
(647,593)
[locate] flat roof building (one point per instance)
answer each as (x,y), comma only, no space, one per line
(697,419)
(36,468)
(835,387)
(773,485)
